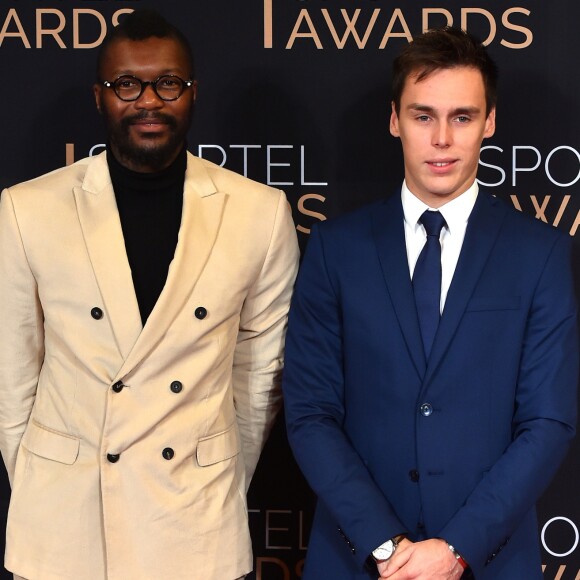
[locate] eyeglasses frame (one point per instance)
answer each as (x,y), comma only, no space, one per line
(186,84)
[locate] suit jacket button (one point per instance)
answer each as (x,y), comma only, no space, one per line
(414,475)
(426,409)
(113,457)
(96,313)
(118,386)
(200,312)
(168,453)
(176,387)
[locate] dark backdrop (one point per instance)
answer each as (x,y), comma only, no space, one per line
(296,93)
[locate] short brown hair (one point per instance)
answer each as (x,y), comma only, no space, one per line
(444,48)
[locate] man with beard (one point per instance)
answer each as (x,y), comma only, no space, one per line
(143,313)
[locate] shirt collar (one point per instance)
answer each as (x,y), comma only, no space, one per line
(456,212)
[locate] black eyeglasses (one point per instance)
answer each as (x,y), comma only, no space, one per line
(166,87)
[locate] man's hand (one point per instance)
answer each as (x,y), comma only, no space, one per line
(427,560)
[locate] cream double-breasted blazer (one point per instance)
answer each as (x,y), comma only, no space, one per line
(129,450)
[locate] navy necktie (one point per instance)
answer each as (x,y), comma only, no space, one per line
(427,279)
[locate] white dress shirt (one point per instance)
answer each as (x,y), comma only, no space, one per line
(456,213)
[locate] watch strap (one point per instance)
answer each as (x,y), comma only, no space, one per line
(398,539)
(458,557)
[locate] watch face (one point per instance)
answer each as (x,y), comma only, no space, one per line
(385,551)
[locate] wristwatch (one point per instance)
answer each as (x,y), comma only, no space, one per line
(386,550)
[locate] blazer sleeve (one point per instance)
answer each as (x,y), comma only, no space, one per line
(314,400)
(21,335)
(258,357)
(543,424)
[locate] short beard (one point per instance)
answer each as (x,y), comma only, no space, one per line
(153,157)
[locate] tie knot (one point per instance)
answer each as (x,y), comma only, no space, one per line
(433,222)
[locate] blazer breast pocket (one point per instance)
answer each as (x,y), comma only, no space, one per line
(50,444)
(218,447)
(488,303)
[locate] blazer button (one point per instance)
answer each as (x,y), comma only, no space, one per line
(113,457)
(168,453)
(426,409)
(414,475)
(96,313)
(200,312)
(176,387)
(118,386)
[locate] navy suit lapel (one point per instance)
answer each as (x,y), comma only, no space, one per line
(483,228)
(389,237)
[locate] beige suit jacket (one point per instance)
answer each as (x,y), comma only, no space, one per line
(201,379)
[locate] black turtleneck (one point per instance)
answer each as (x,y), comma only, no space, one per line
(150,207)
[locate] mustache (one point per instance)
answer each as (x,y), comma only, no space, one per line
(149,117)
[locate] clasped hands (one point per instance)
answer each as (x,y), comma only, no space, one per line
(426,560)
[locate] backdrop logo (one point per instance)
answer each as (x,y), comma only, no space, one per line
(557,169)
(369,27)
(560,538)
(52,27)
(280,538)
(285,166)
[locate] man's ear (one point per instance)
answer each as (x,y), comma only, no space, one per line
(97,91)
(490,124)
(394,123)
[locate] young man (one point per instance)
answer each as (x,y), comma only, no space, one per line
(143,311)
(432,355)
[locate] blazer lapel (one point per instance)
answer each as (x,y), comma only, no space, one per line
(101,227)
(483,228)
(389,235)
(202,211)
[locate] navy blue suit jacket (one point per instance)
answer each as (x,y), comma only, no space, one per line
(460,446)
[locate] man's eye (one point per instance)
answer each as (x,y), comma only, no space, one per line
(463,119)
(126,84)
(168,83)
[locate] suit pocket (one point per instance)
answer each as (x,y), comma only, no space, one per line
(483,303)
(51,444)
(218,447)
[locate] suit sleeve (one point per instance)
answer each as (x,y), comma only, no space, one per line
(544,420)
(314,400)
(21,335)
(259,354)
